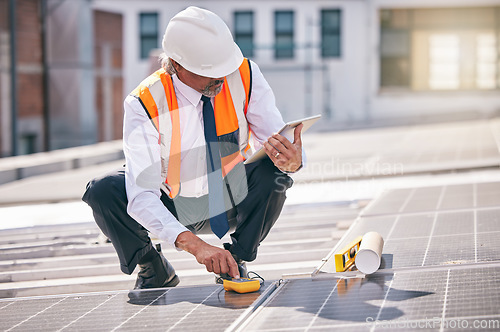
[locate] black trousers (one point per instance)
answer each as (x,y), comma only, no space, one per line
(252,219)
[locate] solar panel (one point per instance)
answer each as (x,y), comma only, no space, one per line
(425,299)
(437,238)
(452,197)
(183,309)
(440,264)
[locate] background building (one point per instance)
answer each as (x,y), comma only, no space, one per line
(359,63)
(67,57)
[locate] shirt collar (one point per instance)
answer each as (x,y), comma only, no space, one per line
(188,92)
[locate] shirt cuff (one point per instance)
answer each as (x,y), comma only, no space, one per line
(169,235)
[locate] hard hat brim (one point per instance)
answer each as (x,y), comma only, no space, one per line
(229,66)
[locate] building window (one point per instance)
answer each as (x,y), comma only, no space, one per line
(148,33)
(395,48)
(283,34)
(444,62)
(486,55)
(331,21)
(438,49)
(27,143)
(243,32)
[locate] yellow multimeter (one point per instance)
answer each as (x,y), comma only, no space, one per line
(242,285)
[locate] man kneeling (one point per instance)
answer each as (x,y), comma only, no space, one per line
(186,134)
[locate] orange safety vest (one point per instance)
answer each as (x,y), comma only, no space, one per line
(157,95)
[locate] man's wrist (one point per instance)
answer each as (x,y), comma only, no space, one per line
(291,172)
(189,242)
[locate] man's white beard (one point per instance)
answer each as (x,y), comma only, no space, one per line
(211,93)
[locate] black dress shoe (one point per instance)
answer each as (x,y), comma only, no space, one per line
(156,272)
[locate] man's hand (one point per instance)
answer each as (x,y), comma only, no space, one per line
(285,155)
(215,259)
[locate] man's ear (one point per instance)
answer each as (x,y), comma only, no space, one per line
(176,65)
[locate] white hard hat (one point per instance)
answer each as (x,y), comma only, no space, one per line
(201,42)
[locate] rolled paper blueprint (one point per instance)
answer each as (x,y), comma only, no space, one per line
(370,252)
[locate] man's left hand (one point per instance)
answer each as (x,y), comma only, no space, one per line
(287,156)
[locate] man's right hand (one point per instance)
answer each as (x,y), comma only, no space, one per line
(216,260)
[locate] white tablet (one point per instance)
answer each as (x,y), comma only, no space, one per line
(287,131)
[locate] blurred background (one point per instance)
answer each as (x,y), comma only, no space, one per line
(66,66)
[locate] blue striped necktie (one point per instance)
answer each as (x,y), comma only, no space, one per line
(216,208)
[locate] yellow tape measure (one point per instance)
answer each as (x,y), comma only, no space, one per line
(242,285)
(344,259)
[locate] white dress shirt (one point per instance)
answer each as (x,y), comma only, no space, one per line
(142,151)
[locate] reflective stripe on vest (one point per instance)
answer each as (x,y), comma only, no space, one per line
(157,95)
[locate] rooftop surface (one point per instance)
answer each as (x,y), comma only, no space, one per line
(432,192)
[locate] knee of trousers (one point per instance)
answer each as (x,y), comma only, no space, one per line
(103,191)
(281,182)
(271,179)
